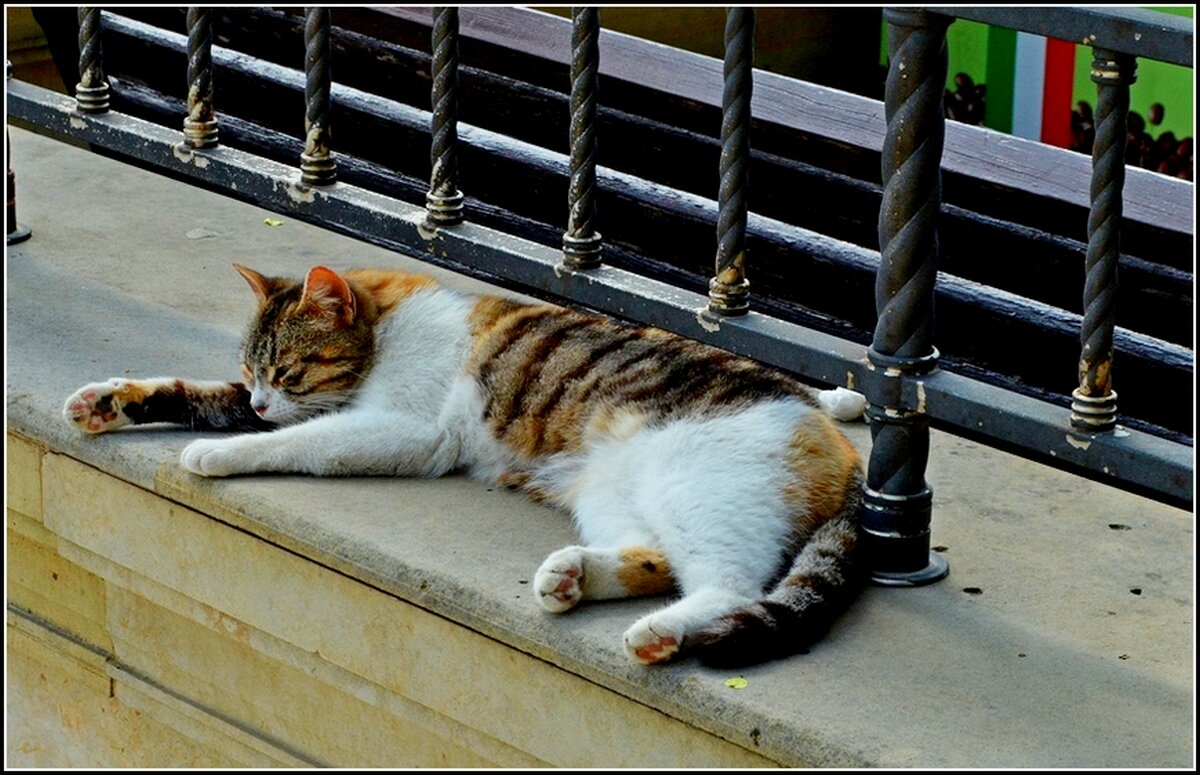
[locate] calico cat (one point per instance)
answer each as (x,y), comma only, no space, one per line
(685,467)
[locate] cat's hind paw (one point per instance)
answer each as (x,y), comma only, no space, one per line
(97,407)
(652,640)
(559,582)
(842,404)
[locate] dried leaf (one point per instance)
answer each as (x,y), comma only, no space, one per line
(737,682)
(272,222)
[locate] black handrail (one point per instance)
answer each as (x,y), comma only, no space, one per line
(1135,31)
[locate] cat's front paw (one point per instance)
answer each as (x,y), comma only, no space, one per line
(559,582)
(96,408)
(212,457)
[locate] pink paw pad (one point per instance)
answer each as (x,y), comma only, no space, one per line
(94,410)
(559,582)
(653,653)
(568,590)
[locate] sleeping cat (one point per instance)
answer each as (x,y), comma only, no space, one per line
(686,467)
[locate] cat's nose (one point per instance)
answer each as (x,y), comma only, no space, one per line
(259,406)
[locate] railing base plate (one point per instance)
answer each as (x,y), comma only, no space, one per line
(935,571)
(19,234)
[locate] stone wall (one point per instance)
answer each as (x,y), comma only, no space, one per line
(145,633)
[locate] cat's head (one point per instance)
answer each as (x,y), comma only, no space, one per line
(309,347)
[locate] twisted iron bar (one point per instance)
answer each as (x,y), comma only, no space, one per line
(1094,402)
(200,126)
(15,231)
(581,243)
(444,202)
(728,291)
(912,192)
(91,93)
(317,165)
(897,501)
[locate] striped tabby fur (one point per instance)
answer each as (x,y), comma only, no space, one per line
(685,467)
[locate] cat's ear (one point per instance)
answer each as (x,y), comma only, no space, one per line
(328,293)
(262,286)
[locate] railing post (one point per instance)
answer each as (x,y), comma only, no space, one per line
(15,231)
(317,165)
(91,93)
(897,500)
(729,291)
(1094,402)
(200,126)
(444,202)
(581,242)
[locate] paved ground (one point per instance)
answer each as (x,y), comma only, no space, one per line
(1063,637)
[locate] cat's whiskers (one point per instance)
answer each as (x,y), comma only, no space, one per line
(319,403)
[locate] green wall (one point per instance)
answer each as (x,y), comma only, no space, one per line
(1172,85)
(969,42)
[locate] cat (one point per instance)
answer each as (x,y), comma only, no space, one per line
(686,468)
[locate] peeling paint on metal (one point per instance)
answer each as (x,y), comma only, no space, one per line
(920,397)
(1078,443)
(707,321)
(76,122)
(887,496)
(850,380)
(182,152)
(427,230)
(414,217)
(298,193)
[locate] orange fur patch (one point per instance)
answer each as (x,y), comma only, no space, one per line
(826,465)
(492,316)
(133,393)
(644,571)
(619,424)
(386,289)
(488,311)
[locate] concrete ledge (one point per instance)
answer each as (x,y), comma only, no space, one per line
(249,618)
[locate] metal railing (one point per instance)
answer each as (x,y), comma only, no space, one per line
(898,372)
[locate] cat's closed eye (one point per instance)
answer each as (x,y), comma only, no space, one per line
(287,377)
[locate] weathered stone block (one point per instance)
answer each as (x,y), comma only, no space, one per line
(43,582)
(23,474)
(250,585)
(61,712)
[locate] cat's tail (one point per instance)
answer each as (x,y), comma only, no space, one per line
(822,582)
